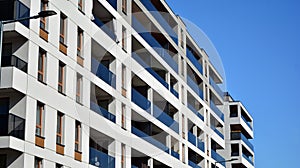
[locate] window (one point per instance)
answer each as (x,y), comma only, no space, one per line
(123,76)
(80,5)
(38,162)
(59,128)
(124,6)
(181,38)
(123,151)
(124,38)
(43,21)
(61,77)
(79,41)
(42,66)
(77,135)
(123,119)
(79,89)
(63,25)
(39,119)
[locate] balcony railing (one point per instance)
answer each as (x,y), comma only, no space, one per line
(175,154)
(195,141)
(8,61)
(149,139)
(105,28)
(101,159)
(103,112)
(216,110)
(103,73)
(149,69)
(174,92)
(113,3)
(147,36)
(160,19)
(165,118)
(241,136)
(193,59)
(248,159)
(140,100)
(216,87)
(12,125)
(249,125)
(217,157)
(193,165)
(196,112)
(217,131)
(195,87)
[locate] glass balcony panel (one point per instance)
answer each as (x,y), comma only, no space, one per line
(150,70)
(241,136)
(165,118)
(216,87)
(248,159)
(14,61)
(103,73)
(101,159)
(113,3)
(146,35)
(12,125)
(174,92)
(103,112)
(249,125)
(140,100)
(175,154)
(217,131)
(22,11)
(193,165)
(149,139)
(160,19)
(216,110)
(196,112)
(194,87)
(105,28)
(193,59)
(192,138)
(218,157)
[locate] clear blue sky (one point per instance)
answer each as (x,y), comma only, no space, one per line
(259,42)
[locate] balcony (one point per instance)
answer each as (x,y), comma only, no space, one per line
(175,154)
(193,165)
(194,87)
(8,61)
(160,19)
(147,36)
(105,28)
(248,159)
(195,111)
(241,136)
(195,141)
(12,125)
(140,100)
(216,87)
(103,112)
(174,92)
(249,125)
(193,59)
(16,10)
(217,131)
(138,59)
(217,111)
(103,73)
(101,159)
(217,157)
(165,118)
(149,139)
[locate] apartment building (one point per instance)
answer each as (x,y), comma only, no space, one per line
(113,84)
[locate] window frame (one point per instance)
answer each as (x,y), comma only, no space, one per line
(124,42)
(124,6)
(78,129)
(38,162)
(42,70)
(43,20)
(61,77)
(59,127)
(62,28)
(123,153)
(79,82)
(123,116)
(41,110)
(79,41)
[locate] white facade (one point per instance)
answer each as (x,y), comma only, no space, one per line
(92,87)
